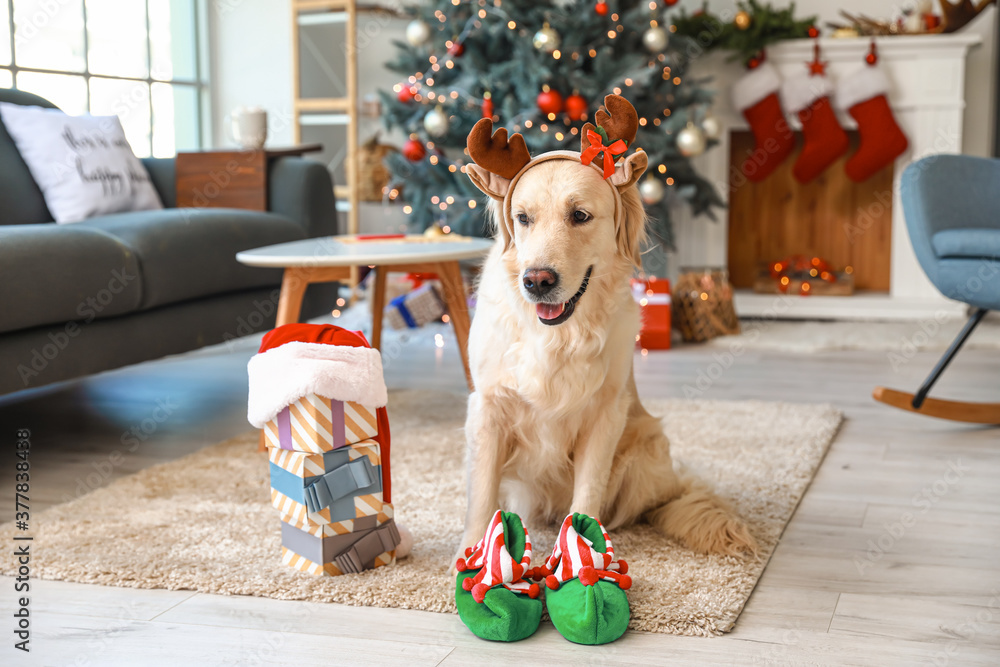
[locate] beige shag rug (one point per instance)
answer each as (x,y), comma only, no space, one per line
(893,338)
(204,522)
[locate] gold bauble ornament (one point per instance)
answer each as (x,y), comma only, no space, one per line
(546,39)
(742,20)
(651,190)
(655,39)
(436,122)
(691,141)
(417,33)
(711,127)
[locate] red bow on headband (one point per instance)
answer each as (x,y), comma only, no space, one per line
(597,147)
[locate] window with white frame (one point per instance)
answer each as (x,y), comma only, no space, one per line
(138,59)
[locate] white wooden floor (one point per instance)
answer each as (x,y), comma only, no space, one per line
(891,559)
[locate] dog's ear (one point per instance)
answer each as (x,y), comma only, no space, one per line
(628,171)
(631,234)
(491,184)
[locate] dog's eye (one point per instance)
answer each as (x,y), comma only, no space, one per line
(580,216)
(522,218)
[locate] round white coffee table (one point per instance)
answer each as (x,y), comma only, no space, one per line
(330,259)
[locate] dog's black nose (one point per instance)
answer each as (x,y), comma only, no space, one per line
(540,281)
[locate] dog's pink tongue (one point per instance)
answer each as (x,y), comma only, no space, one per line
(550,311)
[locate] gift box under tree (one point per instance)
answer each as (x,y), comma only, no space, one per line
(317,392)
(653,297)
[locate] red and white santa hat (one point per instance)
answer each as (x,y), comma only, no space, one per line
(299,359)
(755,85)
(800,91)
(863,85)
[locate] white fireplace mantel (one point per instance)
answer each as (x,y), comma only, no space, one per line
(927,76)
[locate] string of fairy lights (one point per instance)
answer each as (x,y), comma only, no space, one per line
(420,88)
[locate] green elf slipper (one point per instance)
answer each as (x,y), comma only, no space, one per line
(492,598)
(586,597)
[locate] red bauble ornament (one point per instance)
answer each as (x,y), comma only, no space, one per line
(487,108)
(576,107)
(813,31)
(670,3)
(550,101)
(405,93)
(755,62)
(456,49)
(413,150)
(872,56)
(601,8)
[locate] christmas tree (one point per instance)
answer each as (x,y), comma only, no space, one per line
(542,69)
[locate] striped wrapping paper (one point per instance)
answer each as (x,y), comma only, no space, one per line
(316,424)
(339,527)
(292,473)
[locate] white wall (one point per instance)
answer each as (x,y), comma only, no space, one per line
(251,64)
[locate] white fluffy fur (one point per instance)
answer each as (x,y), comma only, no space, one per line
(555,424)
(863,85)
(288,372)
(801,90)
(754,86)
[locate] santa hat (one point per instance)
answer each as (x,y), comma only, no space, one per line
(299,359)
(799,91)
(866,83)
(755,85)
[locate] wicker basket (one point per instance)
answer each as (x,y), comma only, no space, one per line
(703,305)
(373,175)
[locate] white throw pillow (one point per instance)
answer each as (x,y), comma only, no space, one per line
(83,165)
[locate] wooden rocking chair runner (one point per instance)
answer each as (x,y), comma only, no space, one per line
(950,203)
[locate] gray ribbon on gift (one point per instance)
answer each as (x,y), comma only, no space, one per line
(362,553)
(343,481)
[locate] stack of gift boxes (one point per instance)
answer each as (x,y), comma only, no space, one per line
(318,394)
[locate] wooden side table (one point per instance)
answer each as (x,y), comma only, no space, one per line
(229,178)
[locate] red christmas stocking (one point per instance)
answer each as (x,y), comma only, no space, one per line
(863,95)
(808,96)
(756,97)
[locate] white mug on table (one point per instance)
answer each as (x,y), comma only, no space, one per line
(248,127)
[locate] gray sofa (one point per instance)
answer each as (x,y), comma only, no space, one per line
(119,289)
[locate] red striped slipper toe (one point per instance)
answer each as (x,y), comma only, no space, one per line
(492,597)
(586,585)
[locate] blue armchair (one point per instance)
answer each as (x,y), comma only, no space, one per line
(952,209)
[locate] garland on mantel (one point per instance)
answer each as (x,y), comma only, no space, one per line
(754,27)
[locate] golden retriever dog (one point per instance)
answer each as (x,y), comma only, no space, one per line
(555,424)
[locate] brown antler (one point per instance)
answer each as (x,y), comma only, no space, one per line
(617,118)
(496,153)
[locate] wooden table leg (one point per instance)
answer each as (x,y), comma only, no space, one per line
(458,309)
(378,305)
(293,289)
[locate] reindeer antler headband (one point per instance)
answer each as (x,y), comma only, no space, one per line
(501,161)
